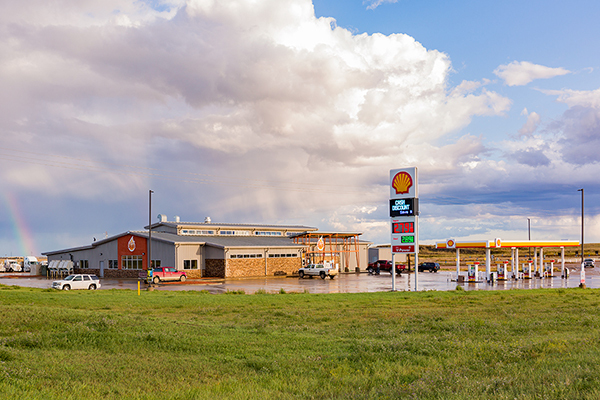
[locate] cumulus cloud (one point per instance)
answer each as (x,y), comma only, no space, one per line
(580,127)
(577,98)
(241,75)
(521,73)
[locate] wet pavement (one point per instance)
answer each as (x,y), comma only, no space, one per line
(345,283)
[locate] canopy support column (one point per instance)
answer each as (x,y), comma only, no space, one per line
(517,262)
(562,262)
(457,263)
(488,263)
(512,262)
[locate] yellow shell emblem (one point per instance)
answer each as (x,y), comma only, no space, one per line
(131,244)
(402,182)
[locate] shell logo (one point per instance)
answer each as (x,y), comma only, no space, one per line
(131,244)
(498,242)
(450,243)
(402,182)
(321,244)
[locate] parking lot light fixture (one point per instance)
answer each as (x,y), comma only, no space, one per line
(581,190)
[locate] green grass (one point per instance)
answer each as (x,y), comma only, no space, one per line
(113,344)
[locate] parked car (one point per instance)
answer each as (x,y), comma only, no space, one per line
(78,281)
(384,265)
(588,262)
(322,270)
(429,266)
(165,274)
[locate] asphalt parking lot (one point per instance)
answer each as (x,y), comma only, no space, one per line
(345,283)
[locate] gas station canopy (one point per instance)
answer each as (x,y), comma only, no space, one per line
(497,244)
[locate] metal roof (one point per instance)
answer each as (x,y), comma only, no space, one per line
(222,241)
(213,225)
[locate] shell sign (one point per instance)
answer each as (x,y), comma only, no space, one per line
(404,183)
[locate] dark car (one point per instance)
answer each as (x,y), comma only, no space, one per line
(429,266)
(384,265)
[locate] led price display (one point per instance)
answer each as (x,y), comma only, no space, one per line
(408,239)
(404,207)
(403,227)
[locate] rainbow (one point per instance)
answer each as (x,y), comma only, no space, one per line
(22,234)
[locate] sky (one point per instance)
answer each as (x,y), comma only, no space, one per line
(293,112)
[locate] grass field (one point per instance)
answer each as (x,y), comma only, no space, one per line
(114,344)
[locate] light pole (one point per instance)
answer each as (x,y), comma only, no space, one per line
(581,190)
(529,232)
(149,230)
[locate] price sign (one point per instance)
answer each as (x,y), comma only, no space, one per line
(408,239)
(403,227)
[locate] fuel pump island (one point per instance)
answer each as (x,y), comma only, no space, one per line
(539,268)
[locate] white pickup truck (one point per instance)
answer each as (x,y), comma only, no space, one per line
(321,270)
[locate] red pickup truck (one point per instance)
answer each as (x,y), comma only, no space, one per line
(384,265)
(164,274)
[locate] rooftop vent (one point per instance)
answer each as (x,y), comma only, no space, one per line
(177,218)
(162,218)
(207,220)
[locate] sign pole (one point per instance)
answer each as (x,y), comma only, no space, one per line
(416,272)
(416,254)
(393,272)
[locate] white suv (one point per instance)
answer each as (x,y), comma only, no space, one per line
(321,270)
(77,281)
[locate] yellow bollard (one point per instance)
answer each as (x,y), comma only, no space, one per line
(138,288)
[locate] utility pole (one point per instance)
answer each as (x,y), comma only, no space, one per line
(529,230)
(149,231)
(581,190)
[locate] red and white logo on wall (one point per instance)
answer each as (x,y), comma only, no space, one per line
(131,245)
(321,244)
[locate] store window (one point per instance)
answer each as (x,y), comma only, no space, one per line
(131,262)
(113,264)
(190,264)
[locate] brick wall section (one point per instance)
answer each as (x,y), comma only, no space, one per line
(238,268)
(281,266)
(214,268)
(241,268)
(193,273)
